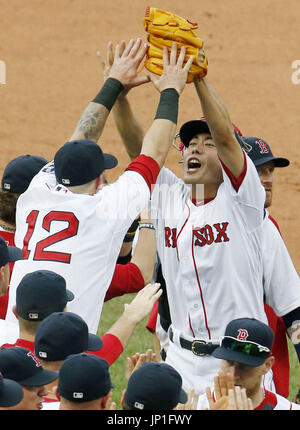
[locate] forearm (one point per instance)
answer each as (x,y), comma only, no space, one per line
(128,127)
(123,328)
(220,127)
(145,251)
(91,123)
(93,119)
(215,112)
(161,133)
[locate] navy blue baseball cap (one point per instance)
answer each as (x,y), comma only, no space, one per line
(22,366)
(8,253)
(260,152)
(62,334)
(19,172)
(154,386)
(189,129)
(11,393)
(41,293)
(83,378)
(80,161)
(247,341)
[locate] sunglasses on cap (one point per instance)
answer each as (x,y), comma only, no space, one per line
(179,146)
(248,348)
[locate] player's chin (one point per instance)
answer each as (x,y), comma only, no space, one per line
(193,176)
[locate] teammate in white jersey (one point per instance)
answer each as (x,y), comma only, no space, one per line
(210,246)
(246,355)
(65,221)
(280,275)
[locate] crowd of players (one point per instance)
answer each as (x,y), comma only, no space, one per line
(210,266)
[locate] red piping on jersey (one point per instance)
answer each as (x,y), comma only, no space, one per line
(269,398)
(274,222)
(190,324)
(182,228)
(200,289)
(236,182)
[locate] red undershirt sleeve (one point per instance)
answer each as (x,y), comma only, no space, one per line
(127,278)
(112,348)
(147,167)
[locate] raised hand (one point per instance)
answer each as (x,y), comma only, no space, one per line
(125,62)
(174,73)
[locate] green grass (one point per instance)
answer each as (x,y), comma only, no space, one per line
(142,339)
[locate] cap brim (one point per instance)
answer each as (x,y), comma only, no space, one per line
(183,398)
(11,394)
(278,161)
(94,342)
(191,128)
(239,357)
(43,377)
(110,161)
(70,295)
(14,253)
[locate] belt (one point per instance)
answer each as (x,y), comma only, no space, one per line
(198,347)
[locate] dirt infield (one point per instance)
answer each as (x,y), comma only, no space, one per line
(52,72)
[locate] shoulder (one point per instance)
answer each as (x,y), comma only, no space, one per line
(272,220)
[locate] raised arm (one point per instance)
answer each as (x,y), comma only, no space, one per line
(135,312)
(220,126)
(170,84)
(122,75)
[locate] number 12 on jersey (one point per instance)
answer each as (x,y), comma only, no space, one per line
(40,252)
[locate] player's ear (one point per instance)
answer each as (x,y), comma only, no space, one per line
(15,312)
(123,397)
(268,364)
(2,272)
(54,389)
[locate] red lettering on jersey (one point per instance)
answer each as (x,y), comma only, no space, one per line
(200,241)
(170,237)
(243,334)
(209,234)
(222,236)
(263,146)
(206,235)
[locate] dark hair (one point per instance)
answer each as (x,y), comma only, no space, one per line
(8,203)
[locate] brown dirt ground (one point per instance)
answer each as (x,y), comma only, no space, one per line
(49,47)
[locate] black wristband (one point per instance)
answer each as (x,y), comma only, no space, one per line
(109,93)
(168,105)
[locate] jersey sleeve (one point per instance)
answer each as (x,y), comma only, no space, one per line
(45,177)
(247,192)
(126,279)
(164,202)
(281,280)
(112,348)
(122,201)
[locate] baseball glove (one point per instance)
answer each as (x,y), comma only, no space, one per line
(163,28)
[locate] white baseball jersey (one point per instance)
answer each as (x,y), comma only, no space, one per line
(78,236)
(281,280)
(211,258)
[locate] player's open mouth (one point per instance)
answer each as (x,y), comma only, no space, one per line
(193,165)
